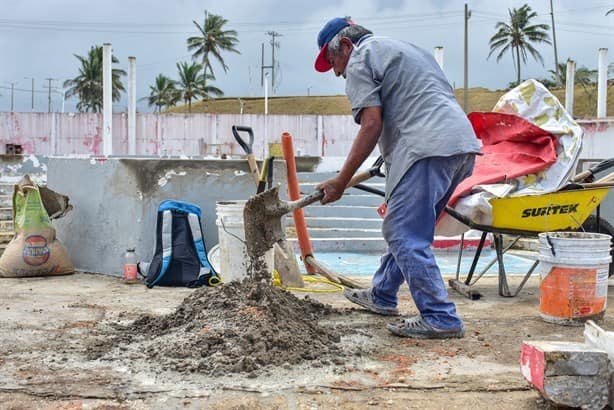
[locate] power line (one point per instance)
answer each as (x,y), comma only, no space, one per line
(63,23)
(128,27)
(27,90)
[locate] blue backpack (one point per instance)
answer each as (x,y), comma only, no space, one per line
(180,256)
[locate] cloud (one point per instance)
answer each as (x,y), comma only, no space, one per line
(38,39)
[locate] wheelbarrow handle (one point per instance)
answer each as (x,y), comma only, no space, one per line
(587,176)
(248,148)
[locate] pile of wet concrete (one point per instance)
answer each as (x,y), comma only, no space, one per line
(241,327)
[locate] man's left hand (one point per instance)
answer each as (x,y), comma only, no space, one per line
(333,189)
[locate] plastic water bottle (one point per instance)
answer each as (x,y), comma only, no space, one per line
(130,266)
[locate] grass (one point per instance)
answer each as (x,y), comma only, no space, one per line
(479,99)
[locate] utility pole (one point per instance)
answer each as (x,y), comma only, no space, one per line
(31,78)
(556,57)
(107,99)
(49,95)
(12,95)
(274,44)
(466,73)
(262,66)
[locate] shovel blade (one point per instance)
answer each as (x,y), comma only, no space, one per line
(262,221)
(286,265)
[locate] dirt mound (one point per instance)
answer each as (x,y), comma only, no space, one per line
(238,327)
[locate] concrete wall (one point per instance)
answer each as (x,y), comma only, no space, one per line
(116,199)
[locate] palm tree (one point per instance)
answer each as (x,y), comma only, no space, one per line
(583,75)
(192,84)
(88,84)
(212,40)
(163,93)
(517,36)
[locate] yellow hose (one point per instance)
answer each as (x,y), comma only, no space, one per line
(311,279)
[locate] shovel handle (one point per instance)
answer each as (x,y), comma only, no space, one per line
(247,147)
(318,194)
(253,168)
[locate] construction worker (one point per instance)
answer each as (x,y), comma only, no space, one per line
(404,104)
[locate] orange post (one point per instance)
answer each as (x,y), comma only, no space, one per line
(294,193)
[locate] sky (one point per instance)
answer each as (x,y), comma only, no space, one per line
(38,39)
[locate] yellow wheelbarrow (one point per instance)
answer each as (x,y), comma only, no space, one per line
(571,208)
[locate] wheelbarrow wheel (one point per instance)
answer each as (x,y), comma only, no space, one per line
(594,225)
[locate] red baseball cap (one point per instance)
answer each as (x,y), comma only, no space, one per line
(325,35)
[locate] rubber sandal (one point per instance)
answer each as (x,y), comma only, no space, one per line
(417,328)
(364,298)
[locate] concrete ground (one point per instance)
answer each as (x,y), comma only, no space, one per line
(46,322)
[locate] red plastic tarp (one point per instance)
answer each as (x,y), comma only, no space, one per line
(512,147)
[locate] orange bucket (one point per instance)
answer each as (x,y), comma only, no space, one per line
(574,269)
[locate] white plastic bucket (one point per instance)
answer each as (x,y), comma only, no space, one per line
(574,270)
(233,258)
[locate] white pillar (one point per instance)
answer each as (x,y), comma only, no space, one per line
(602,83)
(439,56)
(266,115)
(131,105)
(319,135)
(570,86)
(53,138)
(107,100)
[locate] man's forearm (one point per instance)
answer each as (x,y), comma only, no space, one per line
(366,139)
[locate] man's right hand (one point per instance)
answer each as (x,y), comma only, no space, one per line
(333,189)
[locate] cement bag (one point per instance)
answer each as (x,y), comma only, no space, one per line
(34,251)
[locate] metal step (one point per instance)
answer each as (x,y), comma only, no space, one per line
(6,213)
(6,226)
(344,245)
(356,200)
(378,183)
(323,176)
(337,222)
(339,233)
(5,237)
(330,211)
(6,201)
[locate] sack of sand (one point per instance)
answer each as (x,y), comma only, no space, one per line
(34,250)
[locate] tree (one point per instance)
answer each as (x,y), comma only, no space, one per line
(88,84)
(193,84)
(163,93)
(211,41)
(583,75)
(518,35)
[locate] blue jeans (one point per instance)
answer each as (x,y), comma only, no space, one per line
(409,226)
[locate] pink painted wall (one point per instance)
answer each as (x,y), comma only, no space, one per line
(598,140)
(173,134)
(202,134)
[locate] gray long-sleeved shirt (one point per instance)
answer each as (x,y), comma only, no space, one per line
(421,117)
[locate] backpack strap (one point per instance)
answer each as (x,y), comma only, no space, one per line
(167,244)
(199,244)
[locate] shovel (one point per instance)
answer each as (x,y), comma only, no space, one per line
(263,212)
(248,148)
(285,261)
